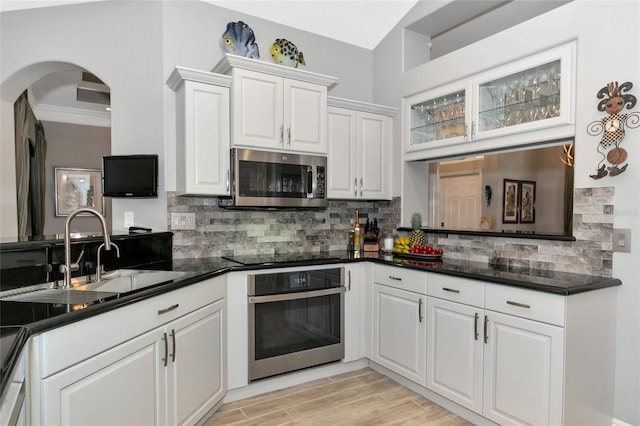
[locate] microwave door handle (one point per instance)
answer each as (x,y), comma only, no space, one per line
(309,182)
(296,296)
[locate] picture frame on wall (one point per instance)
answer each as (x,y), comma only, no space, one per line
(510,199)
(527,201)
(76,188)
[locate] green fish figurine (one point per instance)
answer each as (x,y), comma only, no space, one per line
(285,53)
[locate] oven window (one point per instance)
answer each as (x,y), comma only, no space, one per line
(296,325)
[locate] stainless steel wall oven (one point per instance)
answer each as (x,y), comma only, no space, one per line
(296,320)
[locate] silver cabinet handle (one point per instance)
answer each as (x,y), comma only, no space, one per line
(486,327)
(361,185)
(166,350)
(520,305)
(289,136)
(391,277)
(173,340)
(475,326)
(355,187)
(169,309)
(452,290)
(420,310)
(296,296)
(228,179)
(349,280)
(281,135)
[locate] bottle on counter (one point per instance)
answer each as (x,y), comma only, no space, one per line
(357,233)
(351,234)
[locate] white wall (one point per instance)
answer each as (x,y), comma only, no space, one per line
(133,46)
(601,58)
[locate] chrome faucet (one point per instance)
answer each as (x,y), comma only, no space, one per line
(69,267)
(99,266)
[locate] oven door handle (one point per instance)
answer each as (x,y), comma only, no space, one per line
(296,296)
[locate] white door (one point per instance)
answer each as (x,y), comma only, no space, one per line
(454,352)
(353,312)
(196,364)
(203,149)
(257,113)
(122,386)
(523,370)
(459,202)
(305,116)
(399,336)
(342,155)
(373,155)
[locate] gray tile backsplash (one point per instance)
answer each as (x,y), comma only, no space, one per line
(235,232)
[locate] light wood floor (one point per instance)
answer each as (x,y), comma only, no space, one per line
(362,397)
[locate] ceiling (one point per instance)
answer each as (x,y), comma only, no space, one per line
(362,23)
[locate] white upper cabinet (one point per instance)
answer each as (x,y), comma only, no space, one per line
(202,131)
(276,107)
(526,101)
(359,149)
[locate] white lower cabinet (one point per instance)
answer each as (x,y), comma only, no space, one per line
(173,374)
(523,374)
(399,331)
(353,313)
(455,352)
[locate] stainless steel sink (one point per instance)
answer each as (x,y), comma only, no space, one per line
(113,283)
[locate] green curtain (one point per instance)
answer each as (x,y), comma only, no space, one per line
(38,183)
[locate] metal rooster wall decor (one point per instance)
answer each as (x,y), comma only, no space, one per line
(612,127)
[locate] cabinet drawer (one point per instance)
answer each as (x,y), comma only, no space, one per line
(402,278)
(456,289)
(531,304)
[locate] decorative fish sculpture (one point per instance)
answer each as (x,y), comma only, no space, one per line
(285,53)
(239,40)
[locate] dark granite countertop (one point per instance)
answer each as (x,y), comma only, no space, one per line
(20,320)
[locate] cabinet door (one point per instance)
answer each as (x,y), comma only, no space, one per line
(124,385)
(342,154)
(257,112)
(203,140)
(438,118)
(197,364)
(399,337)
(454,352)
(533,94)
(373,135)
(523,370)
(305,116)
(353,312)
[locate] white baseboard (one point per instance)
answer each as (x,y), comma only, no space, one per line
(616,422)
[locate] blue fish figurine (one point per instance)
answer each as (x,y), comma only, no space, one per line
(239,40)
(284,52)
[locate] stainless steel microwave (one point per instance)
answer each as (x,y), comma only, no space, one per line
(277,179)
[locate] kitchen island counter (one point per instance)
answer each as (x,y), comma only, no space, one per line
(34,318)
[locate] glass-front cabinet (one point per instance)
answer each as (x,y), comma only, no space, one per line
(530,100)
(440,115)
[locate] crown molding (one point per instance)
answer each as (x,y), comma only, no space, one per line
(60,114)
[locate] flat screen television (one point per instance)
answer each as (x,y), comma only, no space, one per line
(130,176)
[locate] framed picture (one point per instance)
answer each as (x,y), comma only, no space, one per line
(77,188)
(527,201)
(510,198)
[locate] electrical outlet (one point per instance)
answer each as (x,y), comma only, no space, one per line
(128,220)
(622,240)
(183,221)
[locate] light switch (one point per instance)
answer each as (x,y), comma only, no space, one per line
(622,240)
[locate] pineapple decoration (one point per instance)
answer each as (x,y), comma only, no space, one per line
(417,235)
